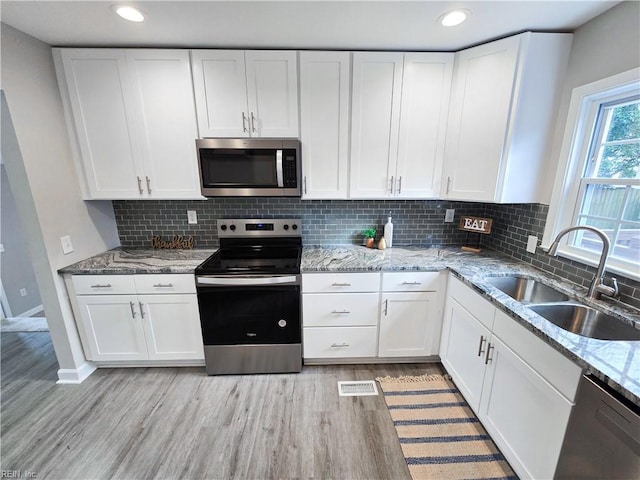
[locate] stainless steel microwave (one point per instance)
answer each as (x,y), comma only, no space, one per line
(249,167)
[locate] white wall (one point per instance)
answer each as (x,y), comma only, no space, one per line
(16,271)
(606,45)
(41,172)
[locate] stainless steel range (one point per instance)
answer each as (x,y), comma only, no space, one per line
(249,298)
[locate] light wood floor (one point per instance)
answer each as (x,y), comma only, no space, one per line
(178,423)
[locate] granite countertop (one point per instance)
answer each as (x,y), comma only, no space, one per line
(120,261)
(617,363)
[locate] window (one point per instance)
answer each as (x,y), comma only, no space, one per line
(601,182)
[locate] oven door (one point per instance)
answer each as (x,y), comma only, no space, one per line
(249,310)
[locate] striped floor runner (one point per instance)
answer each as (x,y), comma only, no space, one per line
(440,436)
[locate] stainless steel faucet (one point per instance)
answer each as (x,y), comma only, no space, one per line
(597,286)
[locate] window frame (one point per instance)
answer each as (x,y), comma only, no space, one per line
(566,199)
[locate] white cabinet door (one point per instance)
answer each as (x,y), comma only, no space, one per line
(112,326)
(251,93)
(377,84)
(426,85)
(463,350)
(96,86)
(272,89)
(325,94)
(162,87)
(172,327)
(479,114)
(524,415)
(501,117)
(409,324)
(220,88)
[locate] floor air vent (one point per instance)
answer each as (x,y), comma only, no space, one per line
(357,389)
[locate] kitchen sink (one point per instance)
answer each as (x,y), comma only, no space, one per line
(586,321)
(526,290)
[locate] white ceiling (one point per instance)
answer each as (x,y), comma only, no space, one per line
(353,25)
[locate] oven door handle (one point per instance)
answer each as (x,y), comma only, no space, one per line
(279,171)
(225,281)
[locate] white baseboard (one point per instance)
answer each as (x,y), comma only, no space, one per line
(32,312)
(70,376)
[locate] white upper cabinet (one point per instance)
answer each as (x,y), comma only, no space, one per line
(502,110)
(399,110)
(133,123)
(325,93)
(251,93)
(426,85)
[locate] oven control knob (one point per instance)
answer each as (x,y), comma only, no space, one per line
(294,226)
(282,323)
(233,228)
(286,227)
(223,227)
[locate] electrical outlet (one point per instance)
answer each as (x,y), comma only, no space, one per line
(532,243)
(448,217)
(192,218)
(23,292)
(1,248)
(67,246)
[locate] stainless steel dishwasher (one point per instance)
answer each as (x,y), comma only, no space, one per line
(603,436)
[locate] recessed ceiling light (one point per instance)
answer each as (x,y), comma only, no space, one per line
(454,17)
(129,13)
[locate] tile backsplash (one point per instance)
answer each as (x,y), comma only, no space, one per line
(416,222)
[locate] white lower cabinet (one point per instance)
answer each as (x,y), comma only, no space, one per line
(112,326)
(521,388)
(410,314)
(157,319)
(169,329)
(344,316)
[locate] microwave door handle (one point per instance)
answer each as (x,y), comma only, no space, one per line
(279,175)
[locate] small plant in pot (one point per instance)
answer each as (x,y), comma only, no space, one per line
(369,235)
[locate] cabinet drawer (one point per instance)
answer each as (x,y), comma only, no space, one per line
(162,283)
(341,309)
(550,364)
(340,282)
(103,284)
(473,302)
(338,342)
(411,281)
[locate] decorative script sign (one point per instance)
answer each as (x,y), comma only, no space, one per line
(476,224)
(178,242)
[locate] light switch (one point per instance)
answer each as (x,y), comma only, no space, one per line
(192,218)
(67,246)
(448,216)
(532,243)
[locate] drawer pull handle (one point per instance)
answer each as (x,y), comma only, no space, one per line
(101,285)
(339,345)
(341,284)
(411,283)
(340,311)
(163,285)
(482,341)
(487,359)
(141,308)
(133,312)
(386,307)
